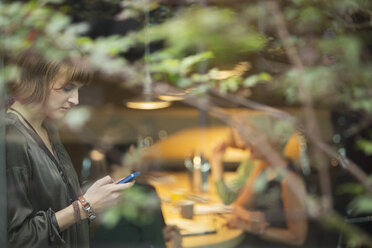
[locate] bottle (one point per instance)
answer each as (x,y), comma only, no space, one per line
(205,170)
(189,168)
(197,176)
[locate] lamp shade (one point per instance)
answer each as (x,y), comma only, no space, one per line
(147,102)
(170,97)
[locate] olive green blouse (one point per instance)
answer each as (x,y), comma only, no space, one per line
(229,192)
(38,185)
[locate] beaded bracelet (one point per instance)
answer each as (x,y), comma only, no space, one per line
(77,216)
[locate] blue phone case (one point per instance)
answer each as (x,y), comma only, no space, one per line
(129,178)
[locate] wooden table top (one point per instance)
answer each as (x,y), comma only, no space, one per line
(175,186)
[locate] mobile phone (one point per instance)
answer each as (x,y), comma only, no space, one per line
(129,178)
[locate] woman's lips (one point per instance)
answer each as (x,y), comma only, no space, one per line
(64,109)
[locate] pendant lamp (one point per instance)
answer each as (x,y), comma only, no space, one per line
(173,96)
(147,100)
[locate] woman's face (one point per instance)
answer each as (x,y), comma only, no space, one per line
(242,144)
(256,153)
(62,97)
(238,140)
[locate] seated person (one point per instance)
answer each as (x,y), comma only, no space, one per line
(229,192)
(141,222)
(271,208)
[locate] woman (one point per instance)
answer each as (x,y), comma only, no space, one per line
(229,192)
(45,204)
(271,208)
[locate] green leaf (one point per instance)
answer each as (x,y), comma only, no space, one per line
(184,83)
(9,73)
(255,79)
(350,188)
(83,40)
(365,145)
(347,48)
(168,66)
(111,217)
(213,73)
(57,23)
(77,29)
(44,2)
(298,2)
(265,77)
(310,15)
(213,29)
(251,81)
(230,84)
(347,5)
(111,45)
(127,13)
(200,78)
(189,61)
(362,204)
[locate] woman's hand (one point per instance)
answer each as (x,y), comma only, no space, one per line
(216,161)
(172,236)
(219,151)
(251,221)
(105,193)
(241,212)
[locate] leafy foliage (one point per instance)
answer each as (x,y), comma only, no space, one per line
(138,206)
(214,47)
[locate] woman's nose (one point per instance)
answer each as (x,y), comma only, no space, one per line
(74,97)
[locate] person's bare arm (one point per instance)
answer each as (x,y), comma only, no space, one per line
(247,195)
(295,212)
(216,161)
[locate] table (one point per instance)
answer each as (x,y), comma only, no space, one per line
(225,237)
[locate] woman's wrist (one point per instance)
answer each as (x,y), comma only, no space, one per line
(83,214)
(216,160)
(217,175)
(77,214)
(87,208)
(263,231)
(217,171)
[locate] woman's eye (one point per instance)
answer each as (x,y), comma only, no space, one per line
(68,88)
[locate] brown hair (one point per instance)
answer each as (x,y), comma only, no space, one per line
(37,75)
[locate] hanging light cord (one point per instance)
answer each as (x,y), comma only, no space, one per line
(148,81)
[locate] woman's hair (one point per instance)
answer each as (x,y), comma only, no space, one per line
(276,132)
(37,75)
